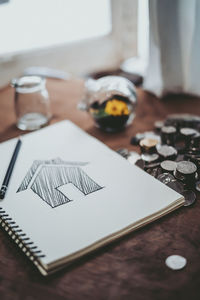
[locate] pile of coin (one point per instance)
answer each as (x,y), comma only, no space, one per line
(171,154)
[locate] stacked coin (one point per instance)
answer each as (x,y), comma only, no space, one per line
(167,152)
(195,142)
(158,125)
(135,140)
(148,145)
(172,154)
(168,166)
(183,120)
(186,172)
(187,134)
(168,135)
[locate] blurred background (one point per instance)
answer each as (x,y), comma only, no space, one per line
(74,36)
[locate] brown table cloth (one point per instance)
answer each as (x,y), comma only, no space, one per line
(132,267)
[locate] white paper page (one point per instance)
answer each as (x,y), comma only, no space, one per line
(119,193)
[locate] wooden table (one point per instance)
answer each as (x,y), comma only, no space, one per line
(132,267)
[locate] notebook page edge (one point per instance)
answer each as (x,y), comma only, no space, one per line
(61,263)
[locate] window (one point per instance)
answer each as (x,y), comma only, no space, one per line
(72,35)
(32,24)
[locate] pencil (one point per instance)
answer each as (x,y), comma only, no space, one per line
(6,180)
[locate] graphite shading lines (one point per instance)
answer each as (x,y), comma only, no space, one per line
(55,173)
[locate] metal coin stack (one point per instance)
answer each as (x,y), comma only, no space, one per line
(168,135)
(172,154)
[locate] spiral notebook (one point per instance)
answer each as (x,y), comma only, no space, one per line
(70,194)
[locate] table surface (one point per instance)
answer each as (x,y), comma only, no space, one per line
(132,267)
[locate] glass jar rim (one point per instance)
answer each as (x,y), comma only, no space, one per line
(28,84)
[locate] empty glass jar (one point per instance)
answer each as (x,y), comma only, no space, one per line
(111,101)
(32,105)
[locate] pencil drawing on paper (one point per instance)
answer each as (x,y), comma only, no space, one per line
(45,177)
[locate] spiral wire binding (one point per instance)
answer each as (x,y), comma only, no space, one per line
(20,238)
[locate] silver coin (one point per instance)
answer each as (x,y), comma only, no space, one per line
(197,186)
(158,146)
(150,157)
(166,151)
(196,140)
(158,125)
(166,178)
(159,171)
(178,176)
(190,197)
(168,165)
(176,262)
(152,165)
(176,186)
(148,171)
(186,167)
(133,157)
(152,135)
(183,117)
(188,131)
(154,172)
(168,129)
(148,134)
(140,163)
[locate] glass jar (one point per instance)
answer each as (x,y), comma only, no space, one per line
(32,105)
(111,101)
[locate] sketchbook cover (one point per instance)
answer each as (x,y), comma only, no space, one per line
(70,194)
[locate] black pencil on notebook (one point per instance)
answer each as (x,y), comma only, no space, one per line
(6,180)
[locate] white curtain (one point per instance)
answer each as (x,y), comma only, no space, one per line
(174,50)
